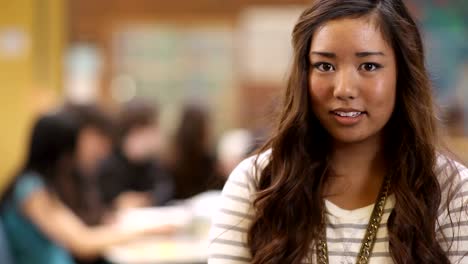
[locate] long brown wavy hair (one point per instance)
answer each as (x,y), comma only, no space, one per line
(289,202)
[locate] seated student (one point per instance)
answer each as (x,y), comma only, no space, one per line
(39,227)
(193,165)
(94,144)
(132,175)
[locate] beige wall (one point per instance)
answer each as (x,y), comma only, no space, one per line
(30,70)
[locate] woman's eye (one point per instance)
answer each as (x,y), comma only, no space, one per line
(370,66)
(324,67)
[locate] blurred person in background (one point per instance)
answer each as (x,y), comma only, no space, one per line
(40,228)
(192,163)
(94,144)
(132,176)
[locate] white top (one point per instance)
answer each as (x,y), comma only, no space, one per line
(346,228)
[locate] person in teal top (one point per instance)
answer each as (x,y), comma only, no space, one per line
(26,241)
(39,227)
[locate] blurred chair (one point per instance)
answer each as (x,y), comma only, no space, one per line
(459,146)
(457,139)
(4,247)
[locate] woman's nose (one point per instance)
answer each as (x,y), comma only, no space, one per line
(345,86)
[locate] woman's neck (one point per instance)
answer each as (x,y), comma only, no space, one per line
(356,175)
(357,158)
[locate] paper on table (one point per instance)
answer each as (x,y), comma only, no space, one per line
(178,216)
(205,204)
(160,251)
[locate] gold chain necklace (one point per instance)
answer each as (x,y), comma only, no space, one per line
(368,241)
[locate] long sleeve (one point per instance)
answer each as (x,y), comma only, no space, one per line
(230,225)
(452,231)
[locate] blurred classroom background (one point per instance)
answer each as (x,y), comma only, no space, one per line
(225,60)
(231,57)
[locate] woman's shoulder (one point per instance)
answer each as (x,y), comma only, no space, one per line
(450,171)
(453,208)
(27,183)
(453,180)
(247,171)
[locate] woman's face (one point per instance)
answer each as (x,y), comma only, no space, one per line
(352,79)
(142,143)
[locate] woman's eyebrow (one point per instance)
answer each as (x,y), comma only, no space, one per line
(358,54)
(324,54)
(369,53)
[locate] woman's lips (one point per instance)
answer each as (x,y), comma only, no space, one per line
(348,118)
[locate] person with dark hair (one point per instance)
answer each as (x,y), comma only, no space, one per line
(40,228)
(132,176)
(94,144)
(353,172)
(193,166)
(96,134)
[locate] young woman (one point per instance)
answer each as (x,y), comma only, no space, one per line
(353,172)
(194,168)
(132,175)
(39,227)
